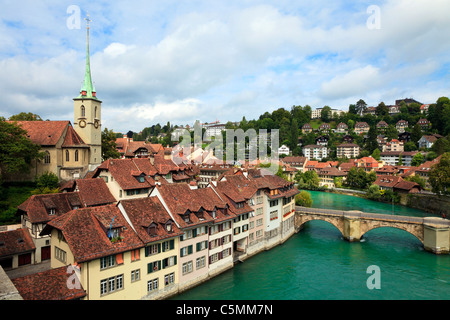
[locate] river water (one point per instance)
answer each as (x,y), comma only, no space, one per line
(317,264)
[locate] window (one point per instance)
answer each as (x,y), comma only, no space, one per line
(274,215)
(274,203)
(135,275)
(52,211)
(202,245)
(200,262)
(107,262)
(76,155)
(47,158)
(187,267)
(111,284)
(152,285)
(154,266)
(60,254)
(152,249)
(83,111)
(186,251)
(244,227)
(95,112)
(169,279)
(168,245)
(67,155)
(169,262)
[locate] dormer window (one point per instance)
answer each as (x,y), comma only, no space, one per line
(214,213)
(151,230)
(200,215)
(52,211)
(169,227)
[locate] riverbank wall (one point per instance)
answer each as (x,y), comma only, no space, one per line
(433,204)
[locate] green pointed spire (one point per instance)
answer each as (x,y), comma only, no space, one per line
(87,90)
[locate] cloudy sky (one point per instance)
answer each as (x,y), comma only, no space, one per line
(178,61)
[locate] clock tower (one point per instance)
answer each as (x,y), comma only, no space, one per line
(87,114)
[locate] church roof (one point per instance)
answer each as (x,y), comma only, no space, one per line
(44,133)
(72,139)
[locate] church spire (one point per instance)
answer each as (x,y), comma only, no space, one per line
(87,90)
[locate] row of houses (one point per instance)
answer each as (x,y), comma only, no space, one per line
(149,245)
(329,170)
(363,127)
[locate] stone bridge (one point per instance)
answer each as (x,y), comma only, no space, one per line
(434,233)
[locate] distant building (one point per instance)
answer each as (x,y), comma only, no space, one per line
(393,157)
(347,150)
(315,152)
(283,150)
(401,125)
(427,141)
(361,127)
(393,145)
(306,128)
(424,124)
(382,126)
(342,128)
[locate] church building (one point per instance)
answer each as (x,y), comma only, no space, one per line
(70,151)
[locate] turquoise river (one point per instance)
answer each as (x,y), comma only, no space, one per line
(317,264)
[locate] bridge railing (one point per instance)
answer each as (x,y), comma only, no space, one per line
(377,216)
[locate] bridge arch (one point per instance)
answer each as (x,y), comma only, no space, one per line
(331,220)
(418,234)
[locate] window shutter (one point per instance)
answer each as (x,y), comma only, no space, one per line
(198,246)
(190,249)
(146,251)
(210,245)
(159,264)
(172,244)
(163,248)
(164,263)
(209,259)
(150,267)
(220,227)
(194,233)
(174,260)
(181,253)
(159,247)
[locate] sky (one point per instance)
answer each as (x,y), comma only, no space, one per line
(181,61)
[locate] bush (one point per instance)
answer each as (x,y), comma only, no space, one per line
(303,199)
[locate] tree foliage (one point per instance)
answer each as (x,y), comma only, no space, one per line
(17,151)
(303,199)
(439,176)
(109,149)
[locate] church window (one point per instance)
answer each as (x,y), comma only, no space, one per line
(95,110)
(76,155)
(67,155)
(83,111)
(47,157)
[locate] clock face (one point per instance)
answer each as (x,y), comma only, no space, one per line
(82,123)
(96,124)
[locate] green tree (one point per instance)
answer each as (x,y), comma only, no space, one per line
(382,110)
(294,134)
(373,192)
(325,114)
(17,151)
(416,133)
(376,154)
(109,148)
(439,176)
(417,160)
(441,145)
(372,142)
(24,116)
(361,107)
(303,199)
(48,182)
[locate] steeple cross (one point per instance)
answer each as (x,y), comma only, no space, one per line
(87,20)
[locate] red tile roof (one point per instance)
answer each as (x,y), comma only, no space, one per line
(181,199)
(94,192)
(72,139)
(37,207)
(146,211)
(49,285)
(86,232)
(44,133)
(122,170)
(15,242)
